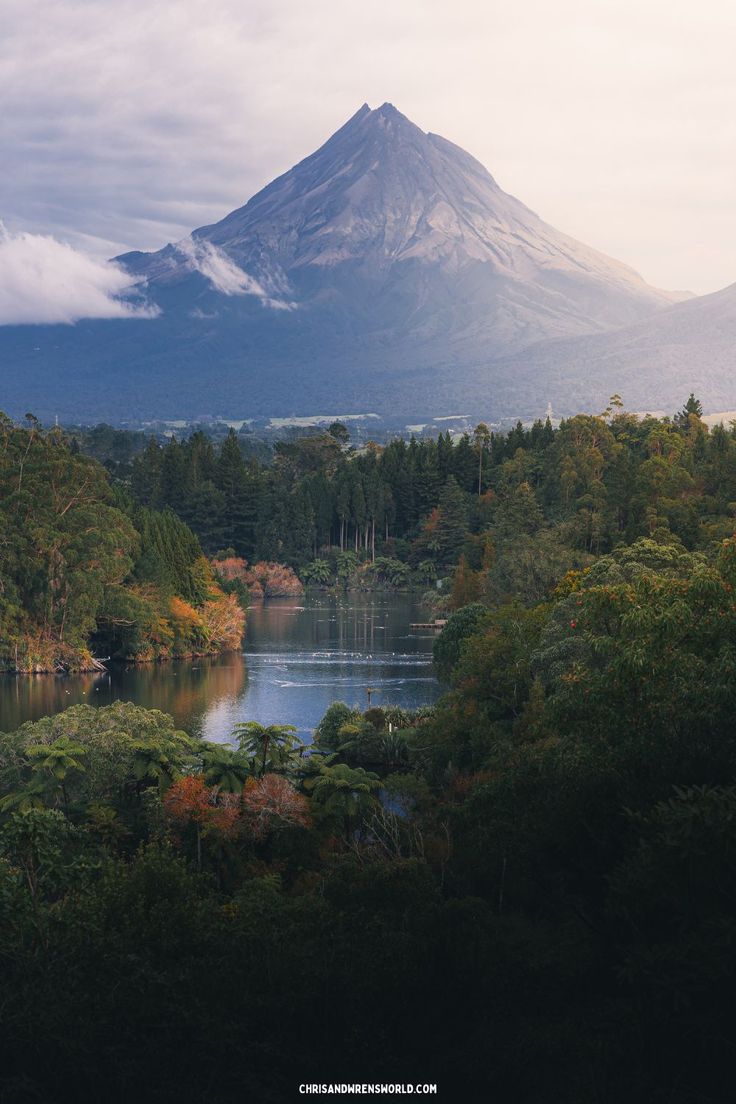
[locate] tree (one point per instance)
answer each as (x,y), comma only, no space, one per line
(460,626)
(344,793)
(482,442)
(452,523)
(63,545)
(275,745)
(339,432)
(692,407)
(189,802)
(241,494)
(60,759)
(270,803)
(224,770)
(327,732)
(153,762)
(101,756)
(318,571)
(465,585)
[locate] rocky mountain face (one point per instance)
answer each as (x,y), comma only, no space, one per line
(420,226)
(387,271)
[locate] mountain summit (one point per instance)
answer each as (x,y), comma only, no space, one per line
(382,272)
(426,229)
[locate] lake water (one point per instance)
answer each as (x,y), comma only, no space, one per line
(300,655)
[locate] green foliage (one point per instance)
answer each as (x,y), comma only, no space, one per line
(318,571)
(447,648)
(223,769)
(272,748)
(170,556)
(91,756)
(345,794)
(547,859)
(63,545)
(327,733)
(80,568)
(391,571)
(549,499)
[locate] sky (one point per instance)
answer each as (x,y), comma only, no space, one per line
(126,125)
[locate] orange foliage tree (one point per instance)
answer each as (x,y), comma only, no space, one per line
(223,619)
(263,580)
(190,802)
(230,568)
(272,802)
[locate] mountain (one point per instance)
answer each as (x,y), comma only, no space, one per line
(653,364)
(388,271)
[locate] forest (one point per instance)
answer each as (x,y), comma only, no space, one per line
(515,511)
(85,570)
(526,892)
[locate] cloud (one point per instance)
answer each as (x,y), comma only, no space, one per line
(43,280)
(224,275)
(137,122)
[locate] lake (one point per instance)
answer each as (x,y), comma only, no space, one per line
(299,655)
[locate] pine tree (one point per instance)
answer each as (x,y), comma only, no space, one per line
(241,493)
(482,442)
(146,474)
(173,484)
(452,521)
(692,406)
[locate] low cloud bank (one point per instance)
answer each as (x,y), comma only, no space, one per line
(43,280)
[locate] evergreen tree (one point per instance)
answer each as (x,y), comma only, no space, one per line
(146,474)
(452,523)
(692,406)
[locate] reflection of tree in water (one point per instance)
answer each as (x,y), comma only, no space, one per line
(28,697)
(347,623)
(186,690)
(302,655)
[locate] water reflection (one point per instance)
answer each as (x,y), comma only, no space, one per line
(299,656)
(186,690)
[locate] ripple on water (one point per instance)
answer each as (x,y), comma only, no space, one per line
(297,660)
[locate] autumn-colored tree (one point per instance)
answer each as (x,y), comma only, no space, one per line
(190,802)
(276,580)
(223,620)
(229,568)
(272,802)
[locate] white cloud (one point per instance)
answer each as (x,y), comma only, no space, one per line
(43,280)
(126,125)
(224,275)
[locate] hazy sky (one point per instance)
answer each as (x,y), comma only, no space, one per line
(126,123)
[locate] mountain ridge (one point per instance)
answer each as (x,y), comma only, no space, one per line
(653,364)
(387,262)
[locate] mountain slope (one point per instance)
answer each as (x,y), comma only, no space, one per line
(653,364)
(382,272)
(397,209)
